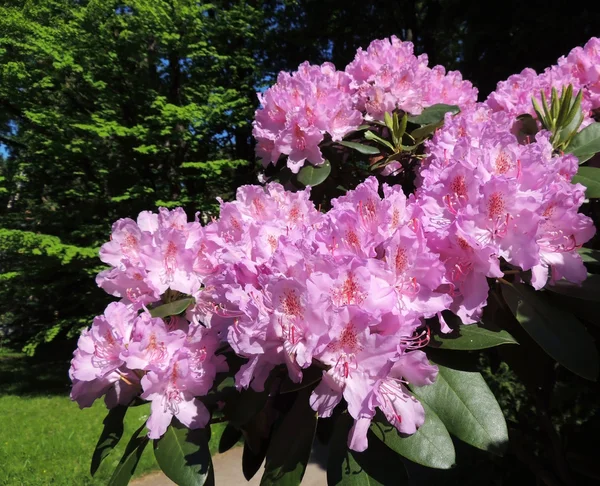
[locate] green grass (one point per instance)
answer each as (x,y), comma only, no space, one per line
(45,439)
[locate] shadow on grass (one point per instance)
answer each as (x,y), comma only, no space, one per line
(25,376)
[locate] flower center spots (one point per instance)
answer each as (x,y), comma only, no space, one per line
(259,207)
(352,238)
(299,142)
(295,214)
(348,339)
(272,242)
(395,218)
(401,260)
(548,211)
(349,292)
(130,242)
(235,224)
(459,186)
(462,243)
(503,163)
(496,207)
(291,305)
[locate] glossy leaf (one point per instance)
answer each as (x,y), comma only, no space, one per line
(376,466)
(172,308)
(242,407)
(110,436)
(467,407)
(558,332)
(310,376)
(229,438)
(590,178)
(472,337)
(252,460)
(183,456)
(588,290)
(126,467)
(291,443)
(313,175)
(369,135)
(362,148)
(587,141)
(430,446)
(433,114)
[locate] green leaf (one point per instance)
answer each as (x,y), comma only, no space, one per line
(183,455)
(389,121)
(472,337)
(590,256)
(172,308)
(369,135)
(587,141)
(425,130)
(433,114)
(362,148)
(467,407)
(229,438)
(126,467)
(430,446)
(376,466)
(590,178)
(588,290)
(558,332)
(110,436)
(287,459)
(313,175)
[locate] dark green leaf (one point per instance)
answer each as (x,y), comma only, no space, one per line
(287,459)
(590,178)
(588,290)
(110,436)
(172,308)
(240,409)
(472,337)
(362,148)
(229,438)
(430,446)
(376,466)
(126,467)
(587,141)
(433,114)
(467,407)
(310,376)
(313,175)
(558,332)
(252,460)
(183,455)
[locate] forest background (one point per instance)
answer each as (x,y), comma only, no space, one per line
(108,108)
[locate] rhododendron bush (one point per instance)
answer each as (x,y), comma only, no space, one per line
(398,222)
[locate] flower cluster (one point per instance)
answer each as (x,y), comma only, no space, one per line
(388,76)
(305,106)
(281,284)
(485,196)
(299,110)
(581,69)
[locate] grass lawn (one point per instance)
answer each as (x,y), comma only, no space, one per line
(45,439)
